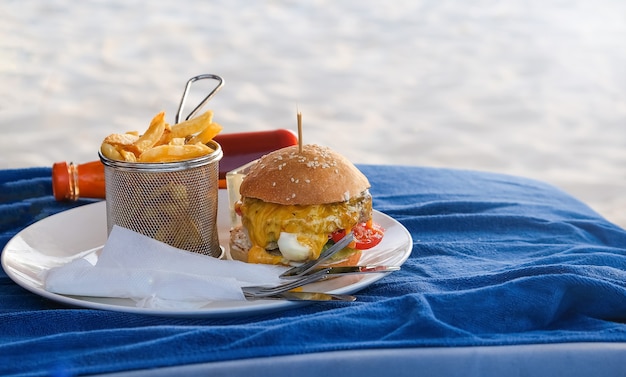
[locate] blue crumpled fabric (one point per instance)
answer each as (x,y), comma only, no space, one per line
(496,260)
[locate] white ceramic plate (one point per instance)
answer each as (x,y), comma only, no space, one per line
(81,232)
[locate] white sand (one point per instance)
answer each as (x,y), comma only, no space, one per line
(533,88)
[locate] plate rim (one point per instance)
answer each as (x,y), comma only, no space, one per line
(9,263)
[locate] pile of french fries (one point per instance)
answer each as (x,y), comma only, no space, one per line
(162,142)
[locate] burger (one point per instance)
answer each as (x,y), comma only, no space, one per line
(295,202)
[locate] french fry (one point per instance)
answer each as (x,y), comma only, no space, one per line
(121,139)
(177,141)
(110,152)
(170,153)
(207,134)
(128,156)
(167,135)
(193,125)
(152,135)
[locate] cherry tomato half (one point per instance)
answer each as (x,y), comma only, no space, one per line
(366,235)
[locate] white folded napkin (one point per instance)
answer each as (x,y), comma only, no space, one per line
(157,275)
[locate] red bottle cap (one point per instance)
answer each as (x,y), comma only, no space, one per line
(71,181)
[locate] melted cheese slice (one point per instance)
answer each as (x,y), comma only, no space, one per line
(310,225)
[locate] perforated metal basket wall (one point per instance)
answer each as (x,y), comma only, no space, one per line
(173,202)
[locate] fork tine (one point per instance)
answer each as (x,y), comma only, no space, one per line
(318,275)
(269,291)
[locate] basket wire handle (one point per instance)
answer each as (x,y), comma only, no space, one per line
(204,101)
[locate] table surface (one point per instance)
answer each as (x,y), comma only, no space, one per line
(498,261)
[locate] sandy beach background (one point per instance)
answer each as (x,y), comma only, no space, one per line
(535,88)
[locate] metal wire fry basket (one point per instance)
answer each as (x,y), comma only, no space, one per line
(173,202)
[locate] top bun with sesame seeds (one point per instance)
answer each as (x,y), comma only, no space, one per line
(315,175)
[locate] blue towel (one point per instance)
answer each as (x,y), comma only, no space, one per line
(496,260)
(25,197)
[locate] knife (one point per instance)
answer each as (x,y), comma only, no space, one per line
(304,296)
(346,270)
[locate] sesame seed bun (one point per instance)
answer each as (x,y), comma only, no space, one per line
(317,175)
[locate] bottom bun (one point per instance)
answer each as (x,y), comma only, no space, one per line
(238,253)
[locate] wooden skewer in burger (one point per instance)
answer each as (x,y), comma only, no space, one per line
(298,200)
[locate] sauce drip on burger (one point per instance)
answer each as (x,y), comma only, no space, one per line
(295,203)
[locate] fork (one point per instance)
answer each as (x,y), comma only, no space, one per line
(262,291)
